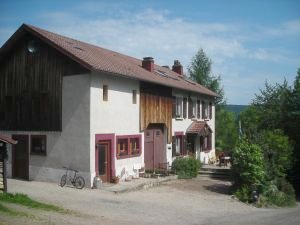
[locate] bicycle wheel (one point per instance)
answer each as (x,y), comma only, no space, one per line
(79,182)
(63,180)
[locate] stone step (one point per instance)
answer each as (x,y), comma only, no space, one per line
(215,172)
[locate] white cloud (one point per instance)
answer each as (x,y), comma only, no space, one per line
(289,28)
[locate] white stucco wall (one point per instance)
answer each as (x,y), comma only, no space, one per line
(70,147)
(118,115)
(181,125)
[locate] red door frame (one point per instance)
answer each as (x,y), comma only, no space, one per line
(107,176)
(111,139)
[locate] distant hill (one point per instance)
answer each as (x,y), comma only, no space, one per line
(237,109)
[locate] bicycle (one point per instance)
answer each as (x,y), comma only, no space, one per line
(77,181)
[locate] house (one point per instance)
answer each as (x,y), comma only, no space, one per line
(69,103)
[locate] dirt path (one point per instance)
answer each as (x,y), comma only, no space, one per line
(197,201)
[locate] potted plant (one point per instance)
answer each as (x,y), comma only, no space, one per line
(115,179)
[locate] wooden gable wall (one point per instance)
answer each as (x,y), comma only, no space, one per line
(31,86)
(156,106)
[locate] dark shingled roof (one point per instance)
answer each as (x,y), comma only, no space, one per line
(99,59)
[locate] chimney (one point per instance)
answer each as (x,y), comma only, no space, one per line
(148,64)
(177,67)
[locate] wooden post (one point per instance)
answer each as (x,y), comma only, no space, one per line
(4,151)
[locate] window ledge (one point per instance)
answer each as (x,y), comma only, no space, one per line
(179,118)
(38,154)
(128,156)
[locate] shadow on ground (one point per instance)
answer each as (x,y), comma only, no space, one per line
(218,188)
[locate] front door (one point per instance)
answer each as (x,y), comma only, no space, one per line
(20,157)
(103,160)
(155,148)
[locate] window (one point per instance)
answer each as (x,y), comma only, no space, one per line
(128,146)
(204,110)
(105,93)
(133,96)
(178,107)
(178,145)
(122,147)
(207,143)
(194,109)
(38,144)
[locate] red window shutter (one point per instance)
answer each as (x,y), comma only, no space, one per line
(174,107)
(198,109)
(184,107)
(209,144)
(190,106)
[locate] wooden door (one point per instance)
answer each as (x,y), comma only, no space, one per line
(20,157)
(155,148)
(103,160)
(149,149)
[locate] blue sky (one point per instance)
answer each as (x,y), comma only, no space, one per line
(249,42)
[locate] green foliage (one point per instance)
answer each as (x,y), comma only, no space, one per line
(186,168)
(277,152)
(226,130)
(200,71)
(243,194)
(277,107)
(278,192)
(248,165)
(24,200)
(12,212)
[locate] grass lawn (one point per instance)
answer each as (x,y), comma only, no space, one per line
(24,200)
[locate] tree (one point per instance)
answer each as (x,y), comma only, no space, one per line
(200,71)
(226,128)
(277,151)
(277,107)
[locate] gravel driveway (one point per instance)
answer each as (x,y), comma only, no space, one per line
(197,201)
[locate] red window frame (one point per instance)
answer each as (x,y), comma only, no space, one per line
(124,148)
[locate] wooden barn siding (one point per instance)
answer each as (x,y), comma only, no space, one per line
(156,107)
(34,82)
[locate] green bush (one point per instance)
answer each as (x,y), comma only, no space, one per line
(243,194)
(248,165)
(186,168)
(277,151)
(277,192)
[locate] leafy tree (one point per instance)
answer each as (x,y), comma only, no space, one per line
(277,107)
(277,153)
(226,130)
(200,71)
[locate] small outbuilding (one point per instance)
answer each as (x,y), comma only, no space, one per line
(3,152)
